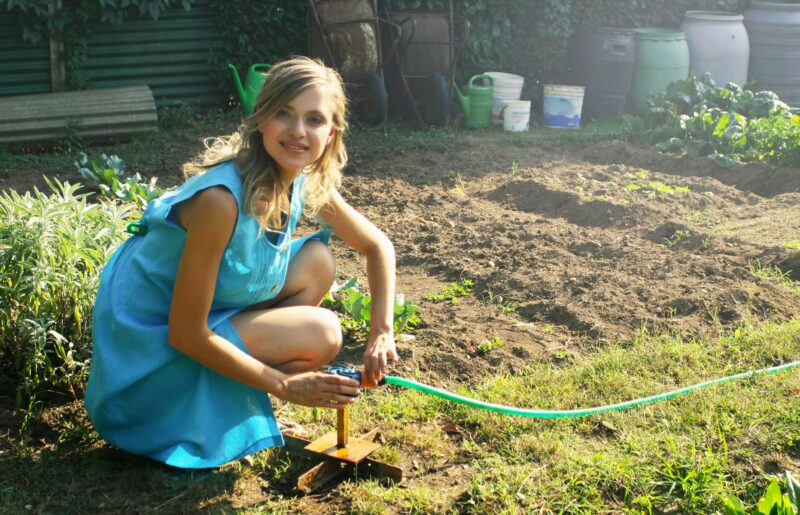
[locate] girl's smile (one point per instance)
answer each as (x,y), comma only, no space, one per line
(296,136)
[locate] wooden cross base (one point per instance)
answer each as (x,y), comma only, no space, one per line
(342,457)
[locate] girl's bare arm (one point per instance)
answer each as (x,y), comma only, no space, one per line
(209,220)
(358,232)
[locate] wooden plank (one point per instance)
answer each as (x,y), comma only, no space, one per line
(75,103)
(90,114)
(19,114)
(120,133)
(56,124)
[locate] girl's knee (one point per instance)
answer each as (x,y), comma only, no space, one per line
(330,335)
(322,259)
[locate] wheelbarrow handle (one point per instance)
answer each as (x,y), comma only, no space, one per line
(398,32)
(458,52)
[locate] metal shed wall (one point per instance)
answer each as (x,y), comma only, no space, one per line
(24,68)
(171,55)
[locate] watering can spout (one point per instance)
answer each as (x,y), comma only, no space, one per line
(462,98)
(238,81)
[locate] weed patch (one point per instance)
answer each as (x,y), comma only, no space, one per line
(452,291)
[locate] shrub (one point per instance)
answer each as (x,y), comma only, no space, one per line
(52,248)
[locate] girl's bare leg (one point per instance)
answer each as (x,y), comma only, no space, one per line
(291,333)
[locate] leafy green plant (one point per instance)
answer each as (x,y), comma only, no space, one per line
(726,124)
(452,291)
(357,306)
(505,305)
(52,248)
(110,179)
(486,346)
(678,237)
(774,501)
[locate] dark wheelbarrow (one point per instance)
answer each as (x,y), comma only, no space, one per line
(419,73)
(345,34)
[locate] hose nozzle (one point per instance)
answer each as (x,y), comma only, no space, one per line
(344,370)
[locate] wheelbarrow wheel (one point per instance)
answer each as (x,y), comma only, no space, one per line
(435,103)
(369,99)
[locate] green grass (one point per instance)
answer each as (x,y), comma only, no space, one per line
(688,452)
(774,274)
(685,454)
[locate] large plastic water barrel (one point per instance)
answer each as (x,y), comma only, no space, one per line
(774,30)
(662,57)
(602,60)
(718,45)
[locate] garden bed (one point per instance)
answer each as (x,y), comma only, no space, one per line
(573,243)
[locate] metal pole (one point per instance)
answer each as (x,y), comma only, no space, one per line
(342,427)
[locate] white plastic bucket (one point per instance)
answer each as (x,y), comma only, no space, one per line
(562,106)
(507,86)
(516,115)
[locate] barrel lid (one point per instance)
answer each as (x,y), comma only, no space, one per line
(616,31)
(658,33)
(506,77)
(775,5)
(713,15)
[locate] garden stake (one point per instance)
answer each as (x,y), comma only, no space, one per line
(342,455)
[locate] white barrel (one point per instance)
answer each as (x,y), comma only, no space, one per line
(507,86)
(718,44)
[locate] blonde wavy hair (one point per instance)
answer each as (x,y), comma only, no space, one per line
(260,175)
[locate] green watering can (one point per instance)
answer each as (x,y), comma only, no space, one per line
(256,75)
(477,103)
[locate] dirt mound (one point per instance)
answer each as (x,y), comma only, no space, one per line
(568,252)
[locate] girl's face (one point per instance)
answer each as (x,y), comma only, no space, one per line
(299,132)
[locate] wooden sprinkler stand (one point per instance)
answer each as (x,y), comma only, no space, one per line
(342,456)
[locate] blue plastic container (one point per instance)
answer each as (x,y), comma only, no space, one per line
(562,106)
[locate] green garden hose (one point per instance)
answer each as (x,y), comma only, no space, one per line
(536,413)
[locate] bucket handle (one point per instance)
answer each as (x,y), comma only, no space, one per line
(481,76)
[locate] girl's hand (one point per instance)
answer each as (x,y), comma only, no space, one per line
(315,389)
(380,350)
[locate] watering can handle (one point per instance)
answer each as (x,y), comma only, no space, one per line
(481,76)
(256,66)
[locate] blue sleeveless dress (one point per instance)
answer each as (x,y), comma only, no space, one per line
(144,396)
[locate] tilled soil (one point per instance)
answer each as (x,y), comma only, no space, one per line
(582,247)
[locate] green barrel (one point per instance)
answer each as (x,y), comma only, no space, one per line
(662,56)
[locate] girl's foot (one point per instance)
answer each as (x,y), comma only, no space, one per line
(290,428)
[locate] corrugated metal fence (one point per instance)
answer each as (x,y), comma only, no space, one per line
(24,68)
(171,55)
